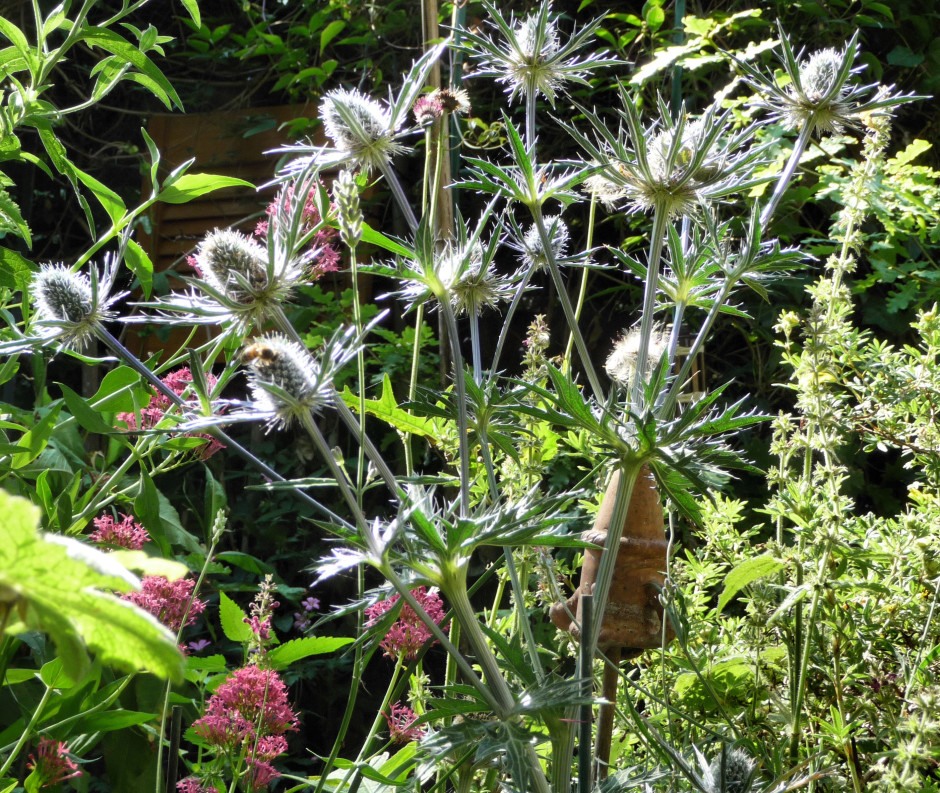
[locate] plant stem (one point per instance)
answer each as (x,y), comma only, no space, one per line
(400,198)
(460,387)
(27,731)
(660,219)
(582,291)
(784,181)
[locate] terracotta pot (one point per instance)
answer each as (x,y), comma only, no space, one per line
(633,618)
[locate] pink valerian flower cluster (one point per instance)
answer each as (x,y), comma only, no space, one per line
(151,415)
(128,533)
(52,762)
(193,784)
(401,724)
(408,634)
(327,257)
(168,601)
(250,710)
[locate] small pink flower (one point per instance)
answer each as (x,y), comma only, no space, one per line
(270,747)
(168,601)
(261,774)
(198,646)
(401,724)
(126,534)
(193,784)
(52,762)
(327,258)
(408,634)
(151,415)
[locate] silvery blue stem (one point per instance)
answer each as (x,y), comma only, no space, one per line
(660,219)
(460,388)
(401,199)
(784,181)
(137,365)
(507,320)
(566,305)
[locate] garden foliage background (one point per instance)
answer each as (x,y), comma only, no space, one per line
(874,588)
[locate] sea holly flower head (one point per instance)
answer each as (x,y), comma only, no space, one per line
(532,249)
(171,602)
(531,57)
(52,763)
(70,306)
(361,127)
(820,92)
(126,533)
(408,634)
(621,363)
(669,166)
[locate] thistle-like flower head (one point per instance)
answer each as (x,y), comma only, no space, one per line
(462,273)
(821,93)
(531,58)
(361,127)
(732,771)
(287,381)
(532,249)
(670,167)
(621,363)
(71,305)
(233,264)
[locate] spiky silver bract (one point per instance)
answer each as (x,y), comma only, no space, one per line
(821,92)
(242,283)
(732,771)
(531,58)
(673,167)
(532,249)
(362,127)
(71,305)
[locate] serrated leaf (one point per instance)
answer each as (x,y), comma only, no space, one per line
(283,656)
(233,619)
(386,408)
(749,571)
(56,585)
(16,272)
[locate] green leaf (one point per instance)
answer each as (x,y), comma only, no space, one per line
(330,32)
(386,408)
(233,619)
(283,656)
(140,264)
(16,272)
(111,42)
(34,440)
(111,720)
(904,56)
(655,17)
(245,562)
(913,150)
(142,563)
(746,573)
(192,8)
(86,416)
(11,220)
(56,585)
(114,394)
(374,237)
(194,185)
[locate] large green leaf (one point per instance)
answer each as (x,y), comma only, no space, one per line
(193,185)
(283,656)
(57,585)
(233,619)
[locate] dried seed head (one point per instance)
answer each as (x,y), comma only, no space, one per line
(621,363)
(453,100)
(818,98)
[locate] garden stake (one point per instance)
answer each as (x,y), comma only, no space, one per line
(633,618)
